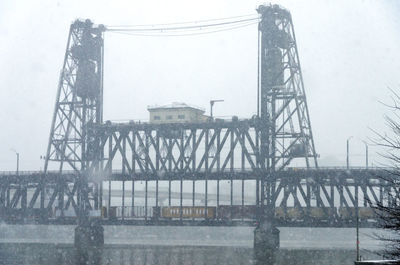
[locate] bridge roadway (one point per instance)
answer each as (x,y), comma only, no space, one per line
(302,198)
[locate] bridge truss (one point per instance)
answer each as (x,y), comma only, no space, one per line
(324,197)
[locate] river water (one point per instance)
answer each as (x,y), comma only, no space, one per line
(35,244)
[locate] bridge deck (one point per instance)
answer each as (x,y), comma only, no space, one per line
(325,197)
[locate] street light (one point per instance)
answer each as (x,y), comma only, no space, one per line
(356,199)
(366,154)
(357,229)
(44,159)
(17,160)
(347,156)
(212,104)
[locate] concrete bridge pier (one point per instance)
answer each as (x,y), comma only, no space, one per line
(89,242)
(266,243)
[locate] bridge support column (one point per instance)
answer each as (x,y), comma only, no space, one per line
(89,242)
(266,243)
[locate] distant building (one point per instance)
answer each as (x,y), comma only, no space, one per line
(177,112)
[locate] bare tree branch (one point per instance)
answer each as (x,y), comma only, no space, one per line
(389,213)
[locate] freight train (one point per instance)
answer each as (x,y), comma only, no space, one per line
(224,213)
(238,212)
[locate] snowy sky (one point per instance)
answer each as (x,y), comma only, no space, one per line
(348,52)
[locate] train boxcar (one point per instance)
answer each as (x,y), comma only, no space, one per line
(363,213)
(322,213)
(290,213)
(112,212)
(188,212)
(227,212)
(298,214)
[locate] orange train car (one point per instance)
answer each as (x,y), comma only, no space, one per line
(188,212)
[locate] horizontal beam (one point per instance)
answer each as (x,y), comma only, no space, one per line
(216,124)
(160,222)
(373,177)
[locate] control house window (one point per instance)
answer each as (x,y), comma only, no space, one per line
(157,118)
(181,117)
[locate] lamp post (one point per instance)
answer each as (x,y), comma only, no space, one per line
(357,221)
(356,201)
(17,164)
(212,104)
(44,159)
(366,154)
(17,160)
(357,232)
(347,153)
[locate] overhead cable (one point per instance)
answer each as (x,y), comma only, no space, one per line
(163,29)
(179,23)
(185,33)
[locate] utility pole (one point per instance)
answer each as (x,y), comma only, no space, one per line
(347,153)
(212,104)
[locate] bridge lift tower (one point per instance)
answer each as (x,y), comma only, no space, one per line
(79,103)
(283,104)
(284,113)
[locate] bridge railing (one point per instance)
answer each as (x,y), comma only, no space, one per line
(34,172)
(120,171)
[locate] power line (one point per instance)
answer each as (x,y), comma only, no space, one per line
(190,33)
(184,30)
(179,23)
(162,29)
(183,34)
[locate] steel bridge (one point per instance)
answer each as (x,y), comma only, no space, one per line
(213,173)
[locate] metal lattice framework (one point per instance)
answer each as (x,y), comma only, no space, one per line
(181,148)
(288,133)
(79,98)
(325,197)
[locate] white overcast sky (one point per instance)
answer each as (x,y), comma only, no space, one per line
(348,52)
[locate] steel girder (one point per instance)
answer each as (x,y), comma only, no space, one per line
(36,196)
(317,197)
(182,148)
(338,193)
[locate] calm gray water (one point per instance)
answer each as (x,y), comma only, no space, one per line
(34,244)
